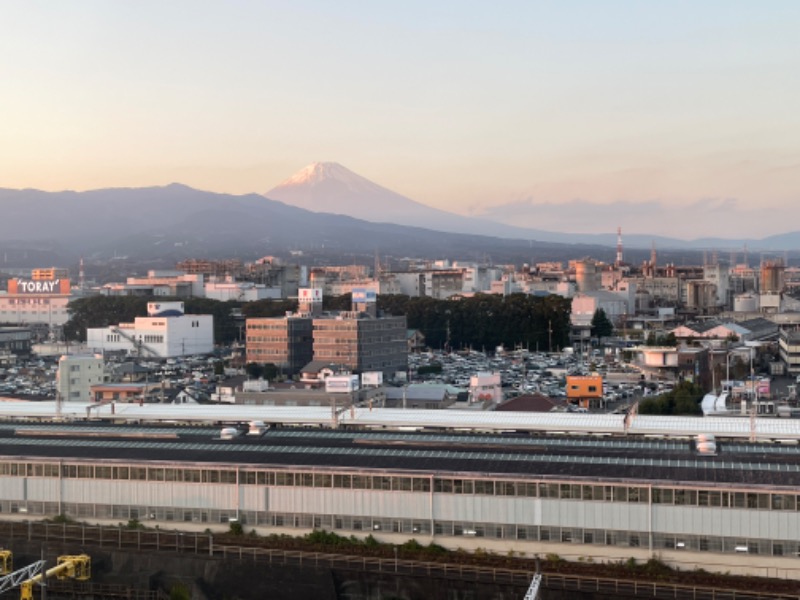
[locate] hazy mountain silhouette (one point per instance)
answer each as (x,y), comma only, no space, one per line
(175,221)
(165,224)
(330,187)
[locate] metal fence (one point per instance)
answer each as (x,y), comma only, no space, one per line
(159,540)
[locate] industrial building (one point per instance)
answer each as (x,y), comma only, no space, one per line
(41,298)
(538,493)
(15,342)
(165,332)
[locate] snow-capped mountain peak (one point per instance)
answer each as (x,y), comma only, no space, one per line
(320,172)
(330,187)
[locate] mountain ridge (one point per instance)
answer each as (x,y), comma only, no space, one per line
(331,187)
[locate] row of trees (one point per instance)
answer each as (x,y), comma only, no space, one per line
(684,399)
(483,321)
(103,311)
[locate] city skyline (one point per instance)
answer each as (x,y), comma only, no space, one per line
(672,119)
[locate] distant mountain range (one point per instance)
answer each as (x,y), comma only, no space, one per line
(325,211)
(330,187)
(160,225)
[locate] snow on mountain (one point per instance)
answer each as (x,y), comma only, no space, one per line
(330,187)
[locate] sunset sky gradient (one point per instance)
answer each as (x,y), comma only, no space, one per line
(571,115)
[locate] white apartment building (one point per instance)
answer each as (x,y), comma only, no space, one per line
(76,374)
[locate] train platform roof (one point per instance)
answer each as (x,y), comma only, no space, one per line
(723,427)
(580,458)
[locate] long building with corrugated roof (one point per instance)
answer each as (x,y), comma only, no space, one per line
(498,481)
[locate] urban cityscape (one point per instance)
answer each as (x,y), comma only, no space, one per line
(537,335)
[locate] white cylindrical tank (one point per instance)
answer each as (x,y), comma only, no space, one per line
(745,303)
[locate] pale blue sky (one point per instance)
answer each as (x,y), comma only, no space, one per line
(466,106)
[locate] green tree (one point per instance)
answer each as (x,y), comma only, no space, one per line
(102,311)
(602,327)
(683,400)
(254,370)
(268,308)
(271,371)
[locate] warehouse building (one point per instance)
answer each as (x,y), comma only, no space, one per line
(598,497)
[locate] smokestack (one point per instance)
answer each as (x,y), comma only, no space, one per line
(619,247)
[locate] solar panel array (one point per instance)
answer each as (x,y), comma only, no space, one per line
(590,459)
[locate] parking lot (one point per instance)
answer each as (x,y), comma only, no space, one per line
(524,372)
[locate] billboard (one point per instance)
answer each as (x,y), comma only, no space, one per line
(372,378)
(362,295)
(341,383)
(309,294)
(24,286)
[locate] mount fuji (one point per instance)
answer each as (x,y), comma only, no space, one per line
(328,187)
(331,188)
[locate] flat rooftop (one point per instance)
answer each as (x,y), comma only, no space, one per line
(588,459)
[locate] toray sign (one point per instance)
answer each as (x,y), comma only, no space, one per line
(35,286)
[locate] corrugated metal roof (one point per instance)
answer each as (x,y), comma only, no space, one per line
(766,428)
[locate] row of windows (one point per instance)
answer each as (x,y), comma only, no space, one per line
(267,351)
(529,533)
(271,326)
(28,301)
(152,339)
(484,487)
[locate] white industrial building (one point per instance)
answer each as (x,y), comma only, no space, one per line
(241,291)
(165,332)
(597,497)
(40,299)
(158,283)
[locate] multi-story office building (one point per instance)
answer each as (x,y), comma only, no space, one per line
(359,340)
(286,342)
(76,375)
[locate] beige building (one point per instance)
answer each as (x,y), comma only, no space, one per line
(76,375)
(358,340)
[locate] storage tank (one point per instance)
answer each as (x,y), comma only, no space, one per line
(746,303)
(586,275)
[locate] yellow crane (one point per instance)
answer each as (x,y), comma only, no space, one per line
(69,566)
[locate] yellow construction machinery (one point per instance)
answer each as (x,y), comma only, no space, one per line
(6,560)
(77,566)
